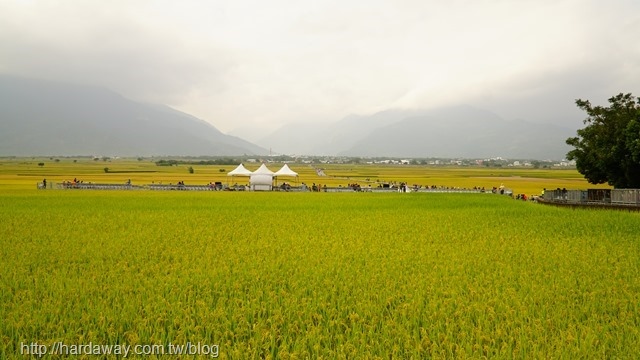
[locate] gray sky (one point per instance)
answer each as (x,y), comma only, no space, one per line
(261,64)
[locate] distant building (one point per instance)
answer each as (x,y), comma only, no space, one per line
(565,163)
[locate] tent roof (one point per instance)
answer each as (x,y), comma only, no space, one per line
(239,171)
(286,171)
(262,170)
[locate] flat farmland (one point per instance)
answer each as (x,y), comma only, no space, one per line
(25,173)
(311,275)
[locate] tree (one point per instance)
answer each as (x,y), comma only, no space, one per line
(607,150)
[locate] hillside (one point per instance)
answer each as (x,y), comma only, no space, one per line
(50,118)
(330,138)
(457,131)
(467,132)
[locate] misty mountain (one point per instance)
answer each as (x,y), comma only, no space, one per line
(464,131)
(457,131)
(330,138)
(49,118)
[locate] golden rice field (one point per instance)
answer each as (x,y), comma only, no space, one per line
(25,173)
(313,275)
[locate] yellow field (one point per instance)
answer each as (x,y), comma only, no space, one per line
(276,275)
(25,173)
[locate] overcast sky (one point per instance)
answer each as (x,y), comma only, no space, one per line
(261,64)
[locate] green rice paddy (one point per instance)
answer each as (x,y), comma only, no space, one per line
(313,275)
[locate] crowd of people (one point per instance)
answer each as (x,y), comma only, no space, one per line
(215,185)
(72,184)
(285,186)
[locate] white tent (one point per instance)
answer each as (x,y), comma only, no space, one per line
(285,171)
(261,179)
(239,171)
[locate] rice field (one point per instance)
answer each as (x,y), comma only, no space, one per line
(24,173)
(313,275)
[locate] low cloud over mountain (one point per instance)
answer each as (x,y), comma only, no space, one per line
(457,131)
(50,118)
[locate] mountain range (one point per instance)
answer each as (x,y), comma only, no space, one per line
(456,131)
(40,117)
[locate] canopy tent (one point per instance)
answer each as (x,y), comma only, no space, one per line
(239,171)
(261,179)
(285,171)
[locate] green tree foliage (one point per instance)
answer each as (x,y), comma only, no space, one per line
(166,162)
(608,148)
